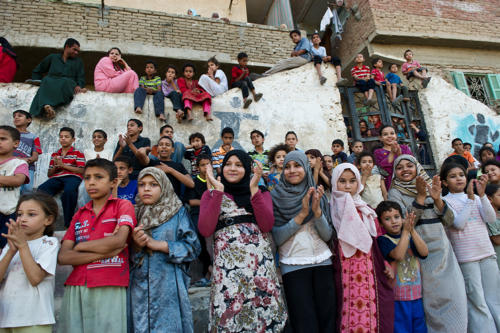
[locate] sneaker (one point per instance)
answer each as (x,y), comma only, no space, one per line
(247,103)
(425,82)
(341,82)
(258,97)
(322,80)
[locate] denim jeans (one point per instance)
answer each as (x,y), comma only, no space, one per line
(158,100)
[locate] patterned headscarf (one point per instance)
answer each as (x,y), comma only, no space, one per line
(409,188)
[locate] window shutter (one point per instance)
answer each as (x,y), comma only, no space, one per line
(460,82)
(494,83)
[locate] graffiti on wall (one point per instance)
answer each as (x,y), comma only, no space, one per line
(478,129)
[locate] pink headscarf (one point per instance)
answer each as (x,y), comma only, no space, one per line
(354,232)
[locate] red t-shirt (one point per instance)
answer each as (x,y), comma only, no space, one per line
(362,72)
(378,75)
(236,72)
(73,158)
(86,226)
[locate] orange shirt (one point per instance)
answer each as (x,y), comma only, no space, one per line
(467,155)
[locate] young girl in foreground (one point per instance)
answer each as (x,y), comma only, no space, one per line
(493,193)
(164,244)
(192,92)
(368,298)
(442,280)
(470,241)
(28,267)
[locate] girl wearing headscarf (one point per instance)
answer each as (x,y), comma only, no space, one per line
(367,300)
(246,294)
(443,288)
(164,244)
(301,231)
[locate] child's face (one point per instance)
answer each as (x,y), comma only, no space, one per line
(392,221)
(379,64)
(294,173)
(366,162)
(257,140)
(312,160)
(467,148)
(357,147)
(167,131)
(227,139)
(197,143)
(487,155)
(360,58)
(188,72)
(347,182)
(458,147)
(203,166)
(328,162)
(388,136)
(20,120)
(213,66)
(65,139)
(133,129)
(33,219)
(7,144)
(123,170)
(295,37)
(363,126)
(98,139)
(316,40)
(409,55)
(495,200)
(493,173)
(394,68)
(233,170)
(279,158)
(170,74)
(243,62)
(455,180)
(165,149)
(336,148)
(291,141)
(406,171)
(97,182)
(150,69)
(149,190)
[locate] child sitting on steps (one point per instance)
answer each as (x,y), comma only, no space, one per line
(192,92)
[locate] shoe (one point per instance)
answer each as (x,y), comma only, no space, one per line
(425,82)
(341,82)
(322,80)
(247,103)
(258,97)
(397,100)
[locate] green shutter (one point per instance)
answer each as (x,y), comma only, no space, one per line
(494,83)
(460,82)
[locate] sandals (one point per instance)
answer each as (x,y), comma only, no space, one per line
(258,97)
(247,103)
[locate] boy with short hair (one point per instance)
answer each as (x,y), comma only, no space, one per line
(396,85)
(99,139)
(356,148)
(168,130)
(14,172)
(240,79)
(401,246)
(338,152)
(291,140)
(218,154)
(65,173)
(300,55)
(458,149)
(150,84)
(125,188)
(196,148)
(319,56)
(29,146)
(96,246)
(412,69)
(259,153)
(378,75)
(363,80)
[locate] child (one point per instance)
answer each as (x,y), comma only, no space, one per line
(358,258)
(28,266)
(215,81)
(493,193)
(29,146)
(240,79)
(259,153)
(378,75)
(300,55)
(396,86)
(374,190)
(171,91)
(164,244)
(13,173)
(402,244)
(475,254)
(150,84)
(276,157)
(99,139)
(316,164)
(485,154)
(65,173)
(328,163)
(227,136)
(291,140)
(492,169)
(458,149)
(197,147)
(180,149)
(338,152)
(125,188)
(357,148)
(192,92)
(411,68)
(363,80)
(319,56)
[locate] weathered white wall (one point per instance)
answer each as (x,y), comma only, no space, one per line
(293,100)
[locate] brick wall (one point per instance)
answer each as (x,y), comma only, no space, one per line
(48,23)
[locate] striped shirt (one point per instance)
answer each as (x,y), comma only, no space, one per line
(153,83)
(362,72)
(218,156)
(72,158)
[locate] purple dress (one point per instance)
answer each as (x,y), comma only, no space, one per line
(381,159)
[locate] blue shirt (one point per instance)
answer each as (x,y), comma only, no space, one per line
(304,44)
(128,192)
(393,78)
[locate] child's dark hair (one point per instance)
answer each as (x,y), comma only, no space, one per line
(227,130)
(202,157)
(356,141)
(375,60)
(455,140)
(188,64)
(314,152)
(447,167)
(168,138)
(104,164)
(136,121)
(166,126)
(197,135)
(364,154)
(24,113)
(69,130)
(124,159)
(489,162)
(13,132)
(483,149)
(384,127)
(295,31)
(491,189)
(467,144)
(386,206)
(214,61)
(404,54)
(242,55)
(274,150)
(393,64)
(171,67)
(152,63)
(315,34)
(338,142)
(102,132)
(48,204)
(256,131)
(291,132)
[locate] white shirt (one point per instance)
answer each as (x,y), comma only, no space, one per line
(90,154)
(9,195)
(21,304)
(320,51)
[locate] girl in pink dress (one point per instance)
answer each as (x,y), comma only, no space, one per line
(112,74)
(192,92)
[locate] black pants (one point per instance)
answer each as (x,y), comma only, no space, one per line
(244,85)
(204,255)
(318,60)
(311,300)
(364,86)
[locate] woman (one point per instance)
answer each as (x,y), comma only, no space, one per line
(112,74)
(246,294)
(8,61)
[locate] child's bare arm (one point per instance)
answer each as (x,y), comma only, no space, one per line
(68,256)
(399,252)
(34,272)
(495,239)
(33,158)
(107,244)
(420,245)
(4,263)
(383,188)
(12,181)
(194,202)
(73,168)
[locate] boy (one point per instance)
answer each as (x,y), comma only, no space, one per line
(167,130)
(29,147)
(150,84)
(96,246)
(458,149)
(300,55)
(492,169)
(412,69)
(196,148)
(396,85)
(468,147)
(338,152)
(14,172)
(291,140)
(99,139)
(378,75)
(363,80)
(357,148)
(240,79)
(125,187)
(259,153)
(65,173)
(227,136)
(319,56)
(401,246)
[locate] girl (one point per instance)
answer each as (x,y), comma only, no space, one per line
(301,232)
(164,243)
(475,254)
(246,294)
(192,92)
(391,149)
(492,169)
(171,90)
(316,163)
(493,193)
(28,266)
(374,190)
(367,302)
(215,81)
(442,279)
(328,164)
(276,156)
(112,74)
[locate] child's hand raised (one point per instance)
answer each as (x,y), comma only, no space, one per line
(316,200)
(409,222)
(121,140)
(16,235)
(139,236)
(212,183)
(421,186)
(257,174)
(395,148)
(481,185)
(435,188)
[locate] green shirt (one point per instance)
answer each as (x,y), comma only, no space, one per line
(153,83)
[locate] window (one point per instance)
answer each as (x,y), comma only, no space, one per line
(482,87)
